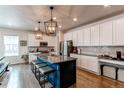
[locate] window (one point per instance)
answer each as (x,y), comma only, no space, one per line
(11,45)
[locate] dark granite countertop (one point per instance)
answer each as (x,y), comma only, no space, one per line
(55,59)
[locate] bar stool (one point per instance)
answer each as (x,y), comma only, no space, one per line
(37,66)
(44,73)
(33,63)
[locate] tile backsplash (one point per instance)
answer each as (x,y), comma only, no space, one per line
(108,50)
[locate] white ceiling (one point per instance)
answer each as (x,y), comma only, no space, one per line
(25,17)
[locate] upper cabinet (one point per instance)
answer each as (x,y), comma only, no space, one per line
(87,38)
(95,35)
(106,33)
(32,41)
(68,36)
(74,35)
(80,38)
(118,31)
(51,40)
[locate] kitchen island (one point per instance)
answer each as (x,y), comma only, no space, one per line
(65,74)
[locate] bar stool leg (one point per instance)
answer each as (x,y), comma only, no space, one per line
(39,76)
(44,81)
(35,71)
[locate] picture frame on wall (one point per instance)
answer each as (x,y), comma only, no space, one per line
(23,43)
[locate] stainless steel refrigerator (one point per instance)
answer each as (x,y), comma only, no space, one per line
(66,47)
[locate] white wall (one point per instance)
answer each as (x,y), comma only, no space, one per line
(23,35)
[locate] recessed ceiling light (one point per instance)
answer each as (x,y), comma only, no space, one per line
(9,24)
(60,26)
(106,5)
(36,28)
(75,19)
(54,18)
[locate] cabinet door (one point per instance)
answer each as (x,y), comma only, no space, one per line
(51,41)
(78,61)
(74,38)
(65,37)
(106,33)
(92,63)
(87,37)
(69,36)
(80,38)
(118,31)
(83,62)
(32,41)
(95,35)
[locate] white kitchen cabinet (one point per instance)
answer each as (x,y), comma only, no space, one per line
(90,63)
(95,35)
(32,41)
(106,33)
(74,35)
(93,64)
(68,36)
(118,31)
(51,41)
(80,38)
(84,62)
(78,61)
(87,36)
(65,37)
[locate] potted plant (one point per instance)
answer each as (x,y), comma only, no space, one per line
(25,57)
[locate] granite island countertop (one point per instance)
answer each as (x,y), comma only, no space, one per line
(56,59)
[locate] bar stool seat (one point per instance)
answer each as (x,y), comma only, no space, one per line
(40,65)
(46,70)
(33,63)
(43,72)
(36,68)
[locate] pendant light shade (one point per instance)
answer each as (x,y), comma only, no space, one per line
(39,33)
(51,25)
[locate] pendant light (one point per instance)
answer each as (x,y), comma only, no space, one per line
(51,25)
(39,33)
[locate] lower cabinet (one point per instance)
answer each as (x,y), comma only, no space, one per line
(89,63)
(78,61)
(84,63)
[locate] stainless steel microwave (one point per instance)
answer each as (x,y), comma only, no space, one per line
(43,44)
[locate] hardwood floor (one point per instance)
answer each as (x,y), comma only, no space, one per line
(88,80)
(20,76)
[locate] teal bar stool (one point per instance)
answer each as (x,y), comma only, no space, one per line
(33,63)
(37,66)
(43,73)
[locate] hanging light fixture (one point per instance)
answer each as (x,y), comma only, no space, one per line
(51,25)
(39,33)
